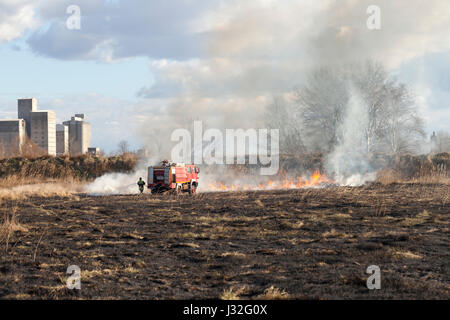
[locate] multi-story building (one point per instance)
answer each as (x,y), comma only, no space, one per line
(24,109)
(43,130)
(62,139)
(12,136)
(79,135)
(73,137)
(94,151)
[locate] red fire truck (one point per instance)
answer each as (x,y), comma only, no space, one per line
(169,176)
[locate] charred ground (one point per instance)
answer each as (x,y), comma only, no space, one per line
(308,243)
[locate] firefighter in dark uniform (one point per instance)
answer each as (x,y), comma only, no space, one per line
(141,184)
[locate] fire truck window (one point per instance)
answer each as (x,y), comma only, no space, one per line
(189,169)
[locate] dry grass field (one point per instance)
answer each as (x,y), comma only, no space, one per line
(284,244)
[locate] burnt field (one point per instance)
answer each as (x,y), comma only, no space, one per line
(295,244)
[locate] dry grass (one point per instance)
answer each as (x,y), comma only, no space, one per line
(47,176)
(270,293)
(25,170)
(273,293)
(388,176)
(259,203)
(10,225)
(20,192)
(233,254)
(232,293)
(405,254)
(334,234)
(14,180)
(340,216)
(431,169)
(290,225)
(418,219)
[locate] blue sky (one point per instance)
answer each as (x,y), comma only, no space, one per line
(48,79)
(29,73)
(136,67)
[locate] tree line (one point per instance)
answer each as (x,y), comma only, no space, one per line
(313,119)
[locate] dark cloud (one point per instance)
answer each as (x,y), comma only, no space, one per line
(157,29)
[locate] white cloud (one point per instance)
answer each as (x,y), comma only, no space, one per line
(257,51)
(16,16)
(280,36)
(222,61)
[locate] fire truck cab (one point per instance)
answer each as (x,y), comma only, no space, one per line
(170,176)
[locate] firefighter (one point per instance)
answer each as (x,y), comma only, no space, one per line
(141,184)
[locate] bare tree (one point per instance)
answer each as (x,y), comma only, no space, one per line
(404,129)
(393,123)
(282,116)
(372,82)
(124,147)
(321,105)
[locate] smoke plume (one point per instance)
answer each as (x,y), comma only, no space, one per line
(348,163)
(258,50)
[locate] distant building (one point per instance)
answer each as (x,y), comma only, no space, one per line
(94,151)
(79,135)
(142,153)
(433,137)
(73,137)
(24,109)
(12,135)
(62,139)
(43,130)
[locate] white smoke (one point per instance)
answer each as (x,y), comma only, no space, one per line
(116,183)
(348,163)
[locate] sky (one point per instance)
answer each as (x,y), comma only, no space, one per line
(138,68)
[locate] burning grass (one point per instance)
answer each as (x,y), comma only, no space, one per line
(428,169)
(317,179)
(269,244)
(63,175)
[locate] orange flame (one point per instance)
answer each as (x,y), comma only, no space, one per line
(316,179)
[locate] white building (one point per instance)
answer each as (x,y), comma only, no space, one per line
(94,151)
(62,139)
(24,109)
(12,136)
(43,130)
(79,135)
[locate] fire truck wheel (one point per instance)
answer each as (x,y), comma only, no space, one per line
(192,189)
